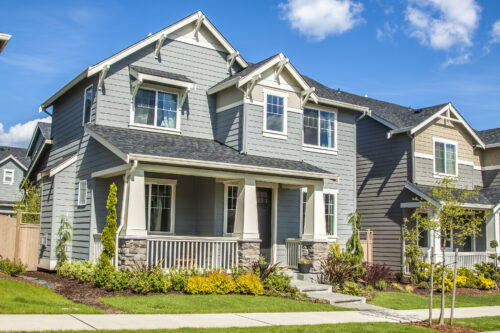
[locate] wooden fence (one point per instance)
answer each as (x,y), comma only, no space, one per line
(19,241)
(366,238)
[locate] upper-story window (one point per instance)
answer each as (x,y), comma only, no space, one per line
(87,104)
(8,176)
(445,157)
(156,108)
(275,115)
(319,128)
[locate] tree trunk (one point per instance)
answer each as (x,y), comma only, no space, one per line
(431,286)
(443,275)
(454,287)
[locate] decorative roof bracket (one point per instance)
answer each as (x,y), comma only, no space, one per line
(251,85)
(231,59)
(102,76)
(159,44)
(279,67)
(304,96)
(197,27)
(135,88)
(183,98)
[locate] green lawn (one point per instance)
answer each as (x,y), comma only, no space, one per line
(19,297)
(212,304)
(482,324)
(407,301)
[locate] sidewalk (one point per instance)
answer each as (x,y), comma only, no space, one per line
(172,321)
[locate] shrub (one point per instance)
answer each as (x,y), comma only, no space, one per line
(472,283)
(304,261)
(423,285)
(111,279)
(64,269)
(352,288)
(397,286)
(160,282)
(381,285)
(63,239)
(141,283)
(408,289)
(399,277)
(83,271)
(277,282)
(249,284)
(369,292)
(485,283)
(109,232)
(199,285)
(222,283)
(340,266)
(461,281)
(376,272)
(486,269)
(12,267)
(448,284)
(236,272)
(179,279)
(263,269)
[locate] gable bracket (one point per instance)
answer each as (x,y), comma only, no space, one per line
(231,59)
(135,88)
(183,98)
(251,85)
(304,96)
(279,67)
(102,76)
(197,27)
(159,44)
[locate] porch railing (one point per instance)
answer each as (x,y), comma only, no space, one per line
(293,251)
(190,252)
(465,259)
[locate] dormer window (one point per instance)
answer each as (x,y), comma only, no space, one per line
(445,157)
(275,115)
(156,108)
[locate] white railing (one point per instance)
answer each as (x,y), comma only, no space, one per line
(97,247)
(189,252)
(293,251)
(467,259)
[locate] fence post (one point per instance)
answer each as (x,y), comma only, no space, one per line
(19,217)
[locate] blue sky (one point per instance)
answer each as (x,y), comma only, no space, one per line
(410,52)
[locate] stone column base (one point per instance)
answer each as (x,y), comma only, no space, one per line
(316,252)
(248,252)
(132,252)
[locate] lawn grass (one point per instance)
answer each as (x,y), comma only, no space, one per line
(340,328)
(482,324)
(212,304)
(407,301)
(18,297)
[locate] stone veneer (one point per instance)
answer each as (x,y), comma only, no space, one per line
(248,252)
(132,252)
(316,252)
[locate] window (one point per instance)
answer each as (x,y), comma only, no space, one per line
(319,128)
(156,108)
(330,213)
(424,237)
(445,158)
(160,207)
(230,208)
(8,176)
(87,104)
(82,193)
(275,115)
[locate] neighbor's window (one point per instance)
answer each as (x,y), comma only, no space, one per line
(231,199)
(159,207)
(445,156)
(424,236)
(156,108)
(82,193)
(330,213)
(87,104)
(319,128)
(8,176)
(275,113)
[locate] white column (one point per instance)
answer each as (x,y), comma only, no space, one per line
(136,217)
(436,240)
(315,224)
(246,225)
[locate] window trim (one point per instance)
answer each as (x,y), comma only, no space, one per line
(226,195)
(91,86)
(5,172)
(161,181)
(335,193)
(80,202)
(445,142)
(270,133)
(155,128)
(318,148)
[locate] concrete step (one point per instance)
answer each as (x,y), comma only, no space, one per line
(309,277)
(337,298)
(307,287)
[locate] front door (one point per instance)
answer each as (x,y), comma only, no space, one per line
(264,201)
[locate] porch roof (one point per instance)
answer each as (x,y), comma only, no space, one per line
(131,144)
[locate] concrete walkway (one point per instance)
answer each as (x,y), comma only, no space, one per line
(172,321)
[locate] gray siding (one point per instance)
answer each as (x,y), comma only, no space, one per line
(491,178)
(288,220)
(10,192)
(229,127)
(383,167)
(47,200)
(424,173)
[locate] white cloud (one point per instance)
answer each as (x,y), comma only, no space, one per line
(495,32)
(387,30)
(443,24)
(458,60)
(19,135)
(320,18)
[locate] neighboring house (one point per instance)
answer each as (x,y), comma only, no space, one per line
(13,165)
(216,160)
(402,152)
(4,39)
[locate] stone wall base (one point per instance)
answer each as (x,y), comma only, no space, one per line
(132,252)
(316,252)
(248,252)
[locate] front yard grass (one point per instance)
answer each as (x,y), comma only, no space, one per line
(18,297)
(481,324)
(408,301)
(212,304)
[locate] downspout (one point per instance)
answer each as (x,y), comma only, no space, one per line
(123,214)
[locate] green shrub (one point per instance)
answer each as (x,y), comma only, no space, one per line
(486,269)
(160,282)
(199,285)
(236,272)
(408,289)
(111,279)
(341,266)
(179,279)
(277,282)
(141,283)
(353,288)
(249,284)
(399,277)
(109,232)
(423,285)
(222,283)
(485,283)
(381,285)
(472,283)
(397,286)
(83,271)
(64,269)
(12,267)
(263,269)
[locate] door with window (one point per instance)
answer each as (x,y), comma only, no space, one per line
(264,208)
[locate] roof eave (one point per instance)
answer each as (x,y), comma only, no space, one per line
(493,145)
(332,102)
(64,89)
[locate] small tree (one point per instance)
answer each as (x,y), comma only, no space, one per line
(29,202)
(494,245)
(353,245)
(109,231)
(63,240)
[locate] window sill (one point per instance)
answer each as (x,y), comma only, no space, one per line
(275,135)
(318,149)
(154,129)
(442,175)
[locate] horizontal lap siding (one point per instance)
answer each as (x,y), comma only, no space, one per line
(491,178)
(424,173)
(383,166)
(63,205)
(229,129)
(46,211)
(10,192)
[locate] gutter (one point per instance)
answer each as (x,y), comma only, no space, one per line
(397,131)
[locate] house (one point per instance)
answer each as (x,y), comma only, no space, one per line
(401,153)
(13,165)
(216,160)
(4,39)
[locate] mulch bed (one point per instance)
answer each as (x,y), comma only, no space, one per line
(445,328)
(460,291)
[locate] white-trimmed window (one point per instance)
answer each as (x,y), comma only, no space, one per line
(330,202)
(160,205)
(158,109)
(87,103)
(275,114)
(82,192)
(230,200)
(320,129)
(445,157)
(8,176)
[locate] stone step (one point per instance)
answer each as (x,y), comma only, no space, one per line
(309,277)
(307,287)
(337,298)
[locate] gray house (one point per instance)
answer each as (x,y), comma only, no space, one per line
(13,165)
(216,160)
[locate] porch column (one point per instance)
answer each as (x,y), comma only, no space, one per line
(136,217)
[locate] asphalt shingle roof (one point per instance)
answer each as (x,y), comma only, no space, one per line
(487,196)
(156,72)
(45,128)
(490,136)
(247,70)
(18,153)
(178,146)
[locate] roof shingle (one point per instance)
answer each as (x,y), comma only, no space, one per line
(490,136)
(18,153)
